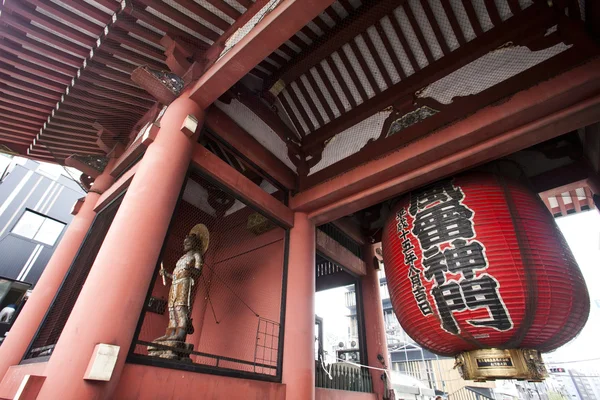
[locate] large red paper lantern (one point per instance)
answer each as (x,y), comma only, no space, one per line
(477,262)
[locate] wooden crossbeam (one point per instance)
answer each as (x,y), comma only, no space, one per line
(534,19)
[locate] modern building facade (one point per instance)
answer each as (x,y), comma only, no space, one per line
(35,210)
(216,136)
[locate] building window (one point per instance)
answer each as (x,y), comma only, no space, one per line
(38,227)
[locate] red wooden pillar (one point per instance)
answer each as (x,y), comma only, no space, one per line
(112,298)
(374,323)
(299,340)
(22,332)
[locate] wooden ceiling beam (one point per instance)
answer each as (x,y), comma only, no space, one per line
(26,104)
(127,23)
(110,107)
(292,115)
(206,14)
(91,108)
(23,119)
(336,38)
(274,29)
(70,17)
(111,95)
(492,11)
(107,59)
(227,130)
(36,58)
(7,138)
(77,137)
(9,120)
(353,75)
(115,49)
(180,18)
(34,69)
(313,82)
(26,96)
(122,37)
(227,176)
(456,29)
(330,89)
(264,113)
(18,130)
(29,13)
(91,11)
(68,114)
(66,144)
(390,50)
(417,30)
(533,20)
(31,78)
(340,79)
(311,103)
(117,86)
(363,65)
(377,57)
(435,26)
(77,128)
(29,88)
(25,27)
(22,112)
(300,107)
(139,12)
(47,51)
(472,15)
(549,109)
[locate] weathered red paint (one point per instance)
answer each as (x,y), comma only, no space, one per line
(151,383)
(125,263)
(552,108)
(275,28)
(299,344)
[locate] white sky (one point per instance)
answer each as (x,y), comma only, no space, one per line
(582,232)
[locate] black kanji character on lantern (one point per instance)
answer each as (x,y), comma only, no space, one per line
(442,223)
(465,258)
(483,292)
(441,191)
(469,293)
(472,294)
(448,298)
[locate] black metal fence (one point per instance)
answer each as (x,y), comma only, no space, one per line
(55,319)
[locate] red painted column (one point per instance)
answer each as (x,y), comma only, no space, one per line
(22,332)
(112,298)
(374,322)
(299,339)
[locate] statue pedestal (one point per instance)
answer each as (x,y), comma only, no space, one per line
(172,353)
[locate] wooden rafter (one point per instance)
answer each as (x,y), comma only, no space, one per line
(530,21)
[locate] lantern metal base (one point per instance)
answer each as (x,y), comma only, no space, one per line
(490,364)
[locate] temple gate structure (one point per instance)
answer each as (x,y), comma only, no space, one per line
(239,155)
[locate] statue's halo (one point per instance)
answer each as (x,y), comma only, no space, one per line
(201,231)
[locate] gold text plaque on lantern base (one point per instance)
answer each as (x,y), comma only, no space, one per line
(490,364)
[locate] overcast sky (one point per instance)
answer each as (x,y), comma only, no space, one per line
(582,232)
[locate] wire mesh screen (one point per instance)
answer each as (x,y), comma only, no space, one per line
(216,302)
(56,318)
